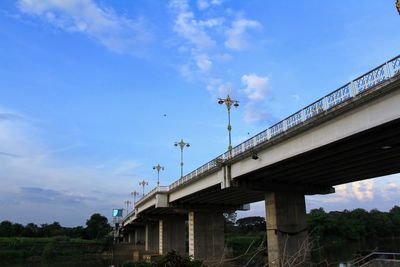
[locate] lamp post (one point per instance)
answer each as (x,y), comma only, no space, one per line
(127,203)
(158,168)
(134,194)
(143,184)
(229,102)
(182,145)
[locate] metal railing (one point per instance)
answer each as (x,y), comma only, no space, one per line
(363,83)
(159,189)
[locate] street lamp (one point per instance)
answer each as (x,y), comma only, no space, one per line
(398,6)
(229,102)
(134,194)
(158,168)
(182,145)
(143,184)
(127,203)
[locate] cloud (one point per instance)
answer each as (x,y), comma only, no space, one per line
(237,33)
(204,4)
(47,186)
(256,87)
(7,116)
(203,62)
(189,28)
(254,113)
(9,154)
(363,190)
(117,33)
(51,196)
(391,190)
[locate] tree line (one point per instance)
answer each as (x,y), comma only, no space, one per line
(97,227)
(346,225)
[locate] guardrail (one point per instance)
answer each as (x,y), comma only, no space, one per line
(159,189)
(363,83)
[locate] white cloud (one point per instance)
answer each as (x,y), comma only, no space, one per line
(391,190)
(363,190)
(219,88)
(189,28)
(254,113)
(207,48)
(204,4)
(117,33)
(256,87)
(236,34)
(341,195)
(203,62)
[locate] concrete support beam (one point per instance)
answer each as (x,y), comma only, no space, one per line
(206,235)
(152,237)
(286,229)
(174,234)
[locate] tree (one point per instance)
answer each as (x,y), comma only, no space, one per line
(251,224)
(97,226)
(6,229)
(229,221)
(30,230)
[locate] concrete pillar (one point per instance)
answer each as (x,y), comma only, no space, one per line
(131,237)
(206,235)
(174,234)
(151,237)
(140,237)
(160,237)
(286,229)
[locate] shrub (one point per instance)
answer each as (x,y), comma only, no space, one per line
(174,259)
(137,264)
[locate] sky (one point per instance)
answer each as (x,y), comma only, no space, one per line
(94,93)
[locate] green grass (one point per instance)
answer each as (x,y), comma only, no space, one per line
(19,248)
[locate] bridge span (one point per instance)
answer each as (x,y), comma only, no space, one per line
(348,135)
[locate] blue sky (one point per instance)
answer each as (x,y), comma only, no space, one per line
(95,93)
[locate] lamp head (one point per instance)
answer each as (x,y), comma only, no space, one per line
(220,101)
(187,145)
(236,103)
(254,155)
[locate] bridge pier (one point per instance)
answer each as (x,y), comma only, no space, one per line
(206,235)
(151,237)
(140,236)
(173,234)
(287,236)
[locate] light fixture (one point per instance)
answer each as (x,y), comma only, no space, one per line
(254,155)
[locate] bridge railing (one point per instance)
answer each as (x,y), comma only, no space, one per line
(364,82)
(155,190)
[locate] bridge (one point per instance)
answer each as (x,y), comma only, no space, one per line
(348,135)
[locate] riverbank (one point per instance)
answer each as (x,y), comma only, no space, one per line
(34,249)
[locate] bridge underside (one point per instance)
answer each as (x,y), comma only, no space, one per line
(371,153)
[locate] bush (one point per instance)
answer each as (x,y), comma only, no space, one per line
(49,251)
(174,259)
(137,264)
